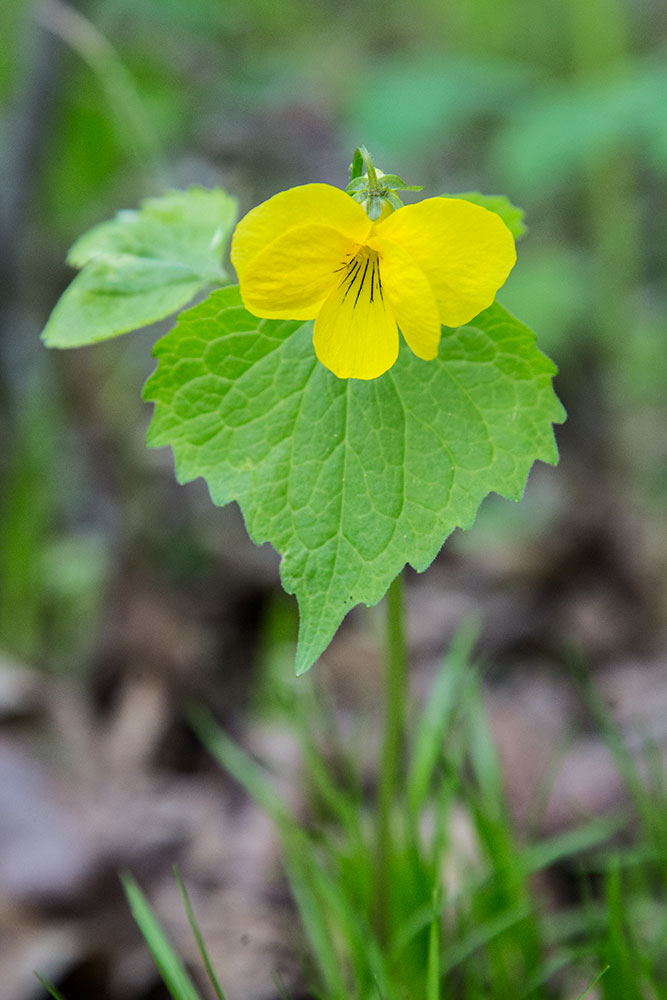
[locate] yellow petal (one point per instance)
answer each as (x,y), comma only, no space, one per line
(310,204)
(410,297)
(465,251)
(291,277)
(355,332)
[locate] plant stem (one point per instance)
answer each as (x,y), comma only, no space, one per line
(392,747)
(373,182)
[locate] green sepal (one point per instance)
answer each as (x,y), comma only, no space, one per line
(356,185)
(357,165)
(348,479)
(388,182)
(393,199)
(374,207)
(370,187)
(143,265)
(395,183)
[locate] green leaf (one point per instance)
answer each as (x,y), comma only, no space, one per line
(142,266)
(347,479)
(511,215)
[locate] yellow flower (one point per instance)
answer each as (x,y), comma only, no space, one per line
(313,253)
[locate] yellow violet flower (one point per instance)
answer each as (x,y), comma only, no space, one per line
(312,253)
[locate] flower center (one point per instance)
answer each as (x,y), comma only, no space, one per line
(361,271)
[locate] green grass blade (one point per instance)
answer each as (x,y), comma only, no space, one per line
(239,764)
(433,967)
(50,988)
(615,741)
(171,968)
(281,989)
(591,834)
(408,931)
(443,702)
(544,972)
(316,923)
(597,979)
(484,762)
(338,914)
(198,936)
(478,937)
(341,804)
(619,945)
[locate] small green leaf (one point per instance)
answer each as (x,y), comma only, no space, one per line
(511,215)
(347,479)
(142,266)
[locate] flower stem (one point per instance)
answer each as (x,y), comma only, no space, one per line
(390,760)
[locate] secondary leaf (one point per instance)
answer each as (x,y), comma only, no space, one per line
(142,266)
(348,479)
(511,215)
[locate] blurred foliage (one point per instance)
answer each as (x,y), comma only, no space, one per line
(552,136)
(485,935)
(561,107)
(560,104)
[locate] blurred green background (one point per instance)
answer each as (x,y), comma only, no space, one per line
(561,105)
